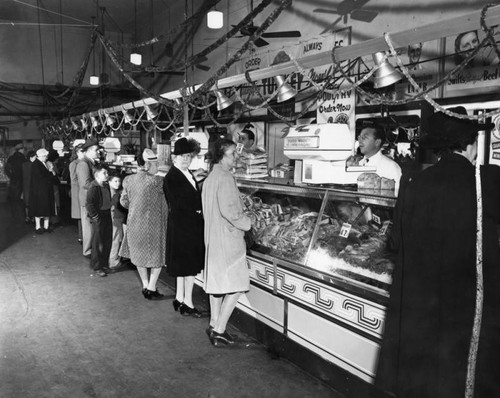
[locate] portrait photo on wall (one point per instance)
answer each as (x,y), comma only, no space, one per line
(480,74)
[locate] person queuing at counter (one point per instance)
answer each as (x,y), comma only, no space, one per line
(185,253)
(14,170)
(85,176)
(226,274)
(75,202)
(41,197)
(98,206)
(144,242)
(119,219)
(370,140)
(31,155)
(431,311)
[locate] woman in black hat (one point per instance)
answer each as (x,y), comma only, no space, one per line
(185,253)
(431,312)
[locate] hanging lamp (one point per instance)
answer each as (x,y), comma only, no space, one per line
(94,79)
(135,57)
(386,74)
(215,19)
(285,91)
(223,101)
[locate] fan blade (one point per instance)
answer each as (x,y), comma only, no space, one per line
(285,33)
(363,15)
(260,42)
(330,28)
(325,11)
(202,67)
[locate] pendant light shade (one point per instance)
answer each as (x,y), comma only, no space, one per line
(215,19)
(94,80)
(285,90)
(94,121)
(128,118)
(385,75)
(223,101)
(150,113)
(136,58)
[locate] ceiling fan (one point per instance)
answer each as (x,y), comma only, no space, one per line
(249,30)
(350,8)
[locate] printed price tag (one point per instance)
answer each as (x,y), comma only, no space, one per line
(344,231)
(385,228)
(376,219)
(239,148)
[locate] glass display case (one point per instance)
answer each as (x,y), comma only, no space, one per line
(338,234)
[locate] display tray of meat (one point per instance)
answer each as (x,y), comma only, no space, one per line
(360,254)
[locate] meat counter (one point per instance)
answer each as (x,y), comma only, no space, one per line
(320,269)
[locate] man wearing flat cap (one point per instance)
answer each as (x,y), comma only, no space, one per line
(85,176)
(14,170)
(431,311)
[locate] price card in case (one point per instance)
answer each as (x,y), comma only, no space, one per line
(344,231)
(376,219)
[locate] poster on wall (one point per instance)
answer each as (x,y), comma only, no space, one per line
(495,142)
(481,74)
(337,107)
(422,61)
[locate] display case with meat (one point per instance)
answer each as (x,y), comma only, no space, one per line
(343,238)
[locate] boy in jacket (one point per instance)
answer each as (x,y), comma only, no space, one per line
(98,206)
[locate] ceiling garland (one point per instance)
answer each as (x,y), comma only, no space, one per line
(201,99)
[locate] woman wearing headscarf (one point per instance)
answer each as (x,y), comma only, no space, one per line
(144,242)
(431,311)
(41,198)
(185,247)
(226,274)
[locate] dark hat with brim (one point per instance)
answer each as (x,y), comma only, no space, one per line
(88,143)
(185,145)
(445,131)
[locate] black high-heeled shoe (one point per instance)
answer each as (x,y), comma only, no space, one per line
(224,338)
(176,303)
(186,310)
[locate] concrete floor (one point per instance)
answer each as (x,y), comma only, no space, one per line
(65,334)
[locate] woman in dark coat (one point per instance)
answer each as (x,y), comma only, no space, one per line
(41,198)
(430,316)
(185,253)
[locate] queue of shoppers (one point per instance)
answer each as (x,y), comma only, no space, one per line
(155,222)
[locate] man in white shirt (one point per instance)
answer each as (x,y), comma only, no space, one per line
(370,141)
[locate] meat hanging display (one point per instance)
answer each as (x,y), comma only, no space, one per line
(286,231)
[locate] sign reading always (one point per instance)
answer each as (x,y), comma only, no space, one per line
(263,59)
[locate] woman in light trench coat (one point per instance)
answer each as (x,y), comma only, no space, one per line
(226,271)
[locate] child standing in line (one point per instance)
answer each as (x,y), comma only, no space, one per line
(119,218)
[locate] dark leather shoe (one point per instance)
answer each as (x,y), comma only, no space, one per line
(153,295)
(49,230)
(186,310)
(224,338)
(100,273)
(109,270)
(176,303)
(39,231)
